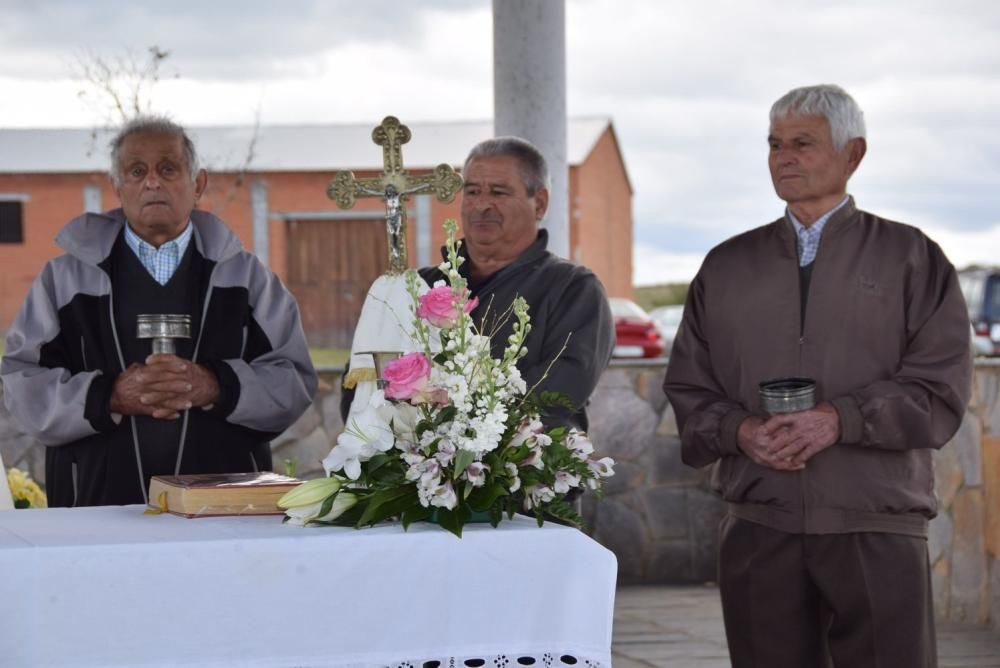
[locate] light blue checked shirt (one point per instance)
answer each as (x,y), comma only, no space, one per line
(160,262)
(809,236)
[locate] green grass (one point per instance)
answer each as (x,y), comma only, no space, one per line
(326,357)
(651,296)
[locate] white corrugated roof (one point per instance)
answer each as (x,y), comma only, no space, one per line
(278,148)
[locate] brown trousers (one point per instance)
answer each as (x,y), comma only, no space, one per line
(860,600)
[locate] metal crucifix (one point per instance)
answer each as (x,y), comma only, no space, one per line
(394,186)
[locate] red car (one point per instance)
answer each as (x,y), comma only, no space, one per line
(636,334)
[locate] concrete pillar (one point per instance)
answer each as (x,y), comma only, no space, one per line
(529,93)
(92,199)
(261,233)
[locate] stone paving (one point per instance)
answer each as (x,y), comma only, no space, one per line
(681,627)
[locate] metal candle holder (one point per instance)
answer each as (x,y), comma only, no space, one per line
(381,359)
(163,328)
(787,395)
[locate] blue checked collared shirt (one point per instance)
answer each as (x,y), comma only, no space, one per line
(160,262)
(809,236)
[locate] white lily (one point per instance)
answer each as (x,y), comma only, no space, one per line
(309,492)
(303,515)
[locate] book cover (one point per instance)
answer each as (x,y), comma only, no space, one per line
(213,494)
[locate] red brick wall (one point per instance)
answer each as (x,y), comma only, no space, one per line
(600,231)
(601,216)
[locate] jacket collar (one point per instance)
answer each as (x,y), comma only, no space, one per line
(535,251)
(844,218)
(91,236)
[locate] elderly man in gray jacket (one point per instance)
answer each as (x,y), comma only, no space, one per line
(75,374)
(823,550)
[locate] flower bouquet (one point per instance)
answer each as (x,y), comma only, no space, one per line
(455,433)
(24,491)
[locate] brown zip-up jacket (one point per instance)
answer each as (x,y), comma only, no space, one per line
(886,337)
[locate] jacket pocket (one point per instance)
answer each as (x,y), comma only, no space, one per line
(738,480)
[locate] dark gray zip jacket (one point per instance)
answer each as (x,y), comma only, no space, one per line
(886,337)
(63,354)
(567,305)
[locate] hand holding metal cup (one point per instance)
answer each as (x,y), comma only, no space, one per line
(787,395)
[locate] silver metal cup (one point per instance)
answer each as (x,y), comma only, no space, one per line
(787,395)
(381,359)
(163,328)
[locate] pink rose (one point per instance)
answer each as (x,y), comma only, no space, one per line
(407,376)
(442,306)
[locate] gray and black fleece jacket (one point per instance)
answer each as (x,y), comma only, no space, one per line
(67,346)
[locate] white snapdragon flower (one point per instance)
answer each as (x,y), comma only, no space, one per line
(538,495)
(444,496)
(565,481)
(580,444)
(515,483)
(446,451)
(515,381)
(529,427)
(475,473)
(603,467)
(534,458)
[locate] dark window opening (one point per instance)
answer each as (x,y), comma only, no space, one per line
(11,231)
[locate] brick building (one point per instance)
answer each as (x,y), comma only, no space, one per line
(279,208)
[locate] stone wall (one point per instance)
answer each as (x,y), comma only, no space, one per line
(659,517)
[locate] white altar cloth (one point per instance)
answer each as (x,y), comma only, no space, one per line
(111,586)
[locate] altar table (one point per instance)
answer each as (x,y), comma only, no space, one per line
(111,586)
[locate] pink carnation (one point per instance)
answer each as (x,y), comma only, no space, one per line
(442,306)
(407,376)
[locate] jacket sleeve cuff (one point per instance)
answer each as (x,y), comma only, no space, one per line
(229,388)
(97,410)
(851,422)
(728,430)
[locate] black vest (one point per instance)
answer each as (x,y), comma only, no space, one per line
(135,292)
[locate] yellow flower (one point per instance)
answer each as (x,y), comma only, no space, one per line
(25,491)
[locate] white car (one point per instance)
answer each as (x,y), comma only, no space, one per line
(668,319)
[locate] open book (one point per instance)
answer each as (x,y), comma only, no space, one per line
(206,494)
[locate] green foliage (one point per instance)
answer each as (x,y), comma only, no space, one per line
(668,294)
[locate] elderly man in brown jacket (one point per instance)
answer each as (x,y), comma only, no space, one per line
(823,550)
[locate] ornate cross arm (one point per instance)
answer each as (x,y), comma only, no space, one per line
(394,185)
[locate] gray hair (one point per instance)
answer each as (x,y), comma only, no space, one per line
(534,170)
(151,125)
(833,103)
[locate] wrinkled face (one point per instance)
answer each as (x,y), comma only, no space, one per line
(499,218)
(156,190)
(804,164)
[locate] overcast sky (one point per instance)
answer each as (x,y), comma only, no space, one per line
(687,84)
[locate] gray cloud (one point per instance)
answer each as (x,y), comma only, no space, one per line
(248,39)
(688,85)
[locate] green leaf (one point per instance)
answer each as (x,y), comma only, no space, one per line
(462,460)
(382,504)
(377,462)
(446,414)
(453,520)
(483,498)
(415,513)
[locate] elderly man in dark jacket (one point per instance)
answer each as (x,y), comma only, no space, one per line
(824,547)
(77,377)
(504,199)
